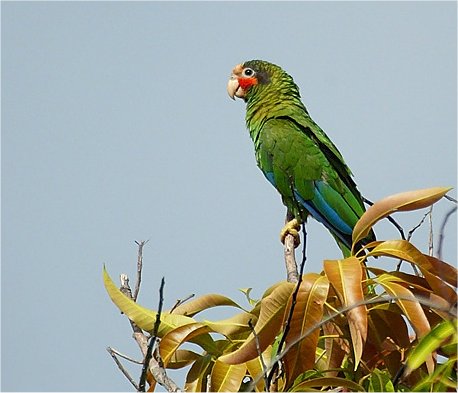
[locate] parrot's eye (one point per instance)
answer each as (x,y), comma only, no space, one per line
(248,72)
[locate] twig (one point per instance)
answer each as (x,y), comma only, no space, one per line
(390,219)
(451,199)
(409,235)
(113,354)
(258,348)
(121,355)
(140,245)
(431,237)
(274,368)
(179,302)
(442,231)
(149,352)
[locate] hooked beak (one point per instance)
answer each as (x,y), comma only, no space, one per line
(233,86)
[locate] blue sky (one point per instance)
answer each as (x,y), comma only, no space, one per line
(116,127)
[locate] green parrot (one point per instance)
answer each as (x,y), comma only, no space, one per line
(295,155)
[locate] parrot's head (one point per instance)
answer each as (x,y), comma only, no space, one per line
(256,78)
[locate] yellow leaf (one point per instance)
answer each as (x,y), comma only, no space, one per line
(405,201)
(182,358)
(267,327)
(142,317)
(345,277)
(307,313)
(227,377)
(233,325)
(202,303)
(255,368)
(174,338)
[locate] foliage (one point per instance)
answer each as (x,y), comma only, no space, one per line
(352,326)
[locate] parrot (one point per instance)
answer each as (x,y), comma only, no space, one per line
(295,154)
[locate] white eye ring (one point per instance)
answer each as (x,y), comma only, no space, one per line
(248,72)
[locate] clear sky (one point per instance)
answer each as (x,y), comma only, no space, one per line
(116,127)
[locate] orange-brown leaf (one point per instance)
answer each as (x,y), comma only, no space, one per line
(409,306)
(345,277)
(307,313)
(405,201)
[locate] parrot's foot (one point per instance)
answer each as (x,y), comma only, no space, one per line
(291,228)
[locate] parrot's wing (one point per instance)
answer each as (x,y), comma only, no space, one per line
(298,166)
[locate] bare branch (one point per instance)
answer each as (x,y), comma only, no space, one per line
(431,237)
(113,354)
(179,302)
(258,349)
(121,355)
(152,342)
(442,231)
(139,267)
(451,199)
(293,305)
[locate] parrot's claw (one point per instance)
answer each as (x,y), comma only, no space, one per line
(291,228)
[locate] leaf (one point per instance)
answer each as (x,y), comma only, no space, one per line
(345,277)
(182,358)
(246,292)
(304,386)
(380,381)
(196,379)
(142,317)
(202,303)
(307,313)
(255,368)
(267,327)
(190,332)
(430,267)
(429,344)
(233,325)
(227,377)
(411,308)
(405,201)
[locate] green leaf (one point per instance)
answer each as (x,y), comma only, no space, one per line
(246,292)
(405,201)
(380,381)
(430,343)
(304,386)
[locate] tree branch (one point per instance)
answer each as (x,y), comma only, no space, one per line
(139,267)
(293,305)
(152,342)
(442,231)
